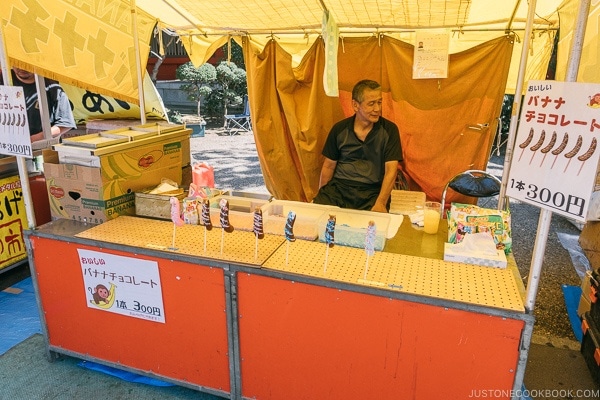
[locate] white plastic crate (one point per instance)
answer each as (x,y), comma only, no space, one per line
(276,212)
(241,211)
(351,227)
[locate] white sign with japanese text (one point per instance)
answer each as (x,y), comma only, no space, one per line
(555,157)
(122,285)
(431,56)
(14,126)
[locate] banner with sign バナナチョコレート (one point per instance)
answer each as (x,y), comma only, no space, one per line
(555,156)
(12,220)
(14,126)
(122,285)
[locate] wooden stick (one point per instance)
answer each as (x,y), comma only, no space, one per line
(222,239)
(255,246)
(173,242)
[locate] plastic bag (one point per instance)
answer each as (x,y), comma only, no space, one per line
(203,175)
(464,219)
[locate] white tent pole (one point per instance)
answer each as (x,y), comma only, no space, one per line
(4,61)
(545,215)
(138,63)
(40,83)
(23,174)
(577,41)
(514,117)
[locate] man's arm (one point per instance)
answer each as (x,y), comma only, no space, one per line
(327,171)
(55,130)
(391,170)
(61,116)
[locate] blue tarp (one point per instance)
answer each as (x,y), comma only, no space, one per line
(572,295)
(19,315)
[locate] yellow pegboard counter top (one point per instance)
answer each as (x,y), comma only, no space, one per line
(485,286)
(407,273)
(238,246)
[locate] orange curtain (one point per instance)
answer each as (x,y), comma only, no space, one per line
(291,115)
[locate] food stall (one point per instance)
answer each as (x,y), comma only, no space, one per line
(229,314)
(13,217)
(218,313)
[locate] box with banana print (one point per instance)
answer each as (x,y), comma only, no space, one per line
(96,194)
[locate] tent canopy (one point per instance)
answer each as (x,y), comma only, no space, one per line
(281,16)
(297,24)
(90,44)
(290,46)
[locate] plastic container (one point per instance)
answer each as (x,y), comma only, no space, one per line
(241,211)
(262,196)
(351,227)
(307,217)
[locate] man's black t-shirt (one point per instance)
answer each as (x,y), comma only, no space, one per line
(363,161)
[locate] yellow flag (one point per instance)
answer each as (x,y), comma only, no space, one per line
(88,44)
(88,105)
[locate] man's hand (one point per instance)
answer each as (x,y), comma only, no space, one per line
(379,207)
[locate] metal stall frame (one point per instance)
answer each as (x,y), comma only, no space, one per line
(64,233)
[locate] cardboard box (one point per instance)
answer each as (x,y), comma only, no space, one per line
(584,306)
(96,195)
(589,240)
(88,150)
(586,285)
(594,258)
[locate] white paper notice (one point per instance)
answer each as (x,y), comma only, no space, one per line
(14,126)
(122,285)
(431,54)
(555,157)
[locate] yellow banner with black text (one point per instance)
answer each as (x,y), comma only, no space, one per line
(89,44)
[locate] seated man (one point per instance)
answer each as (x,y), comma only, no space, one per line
(59,108)
(361,155)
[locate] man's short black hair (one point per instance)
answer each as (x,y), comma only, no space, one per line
(359,89)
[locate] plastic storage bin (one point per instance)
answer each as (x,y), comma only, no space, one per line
(241,211)
(351,227)
(276,212)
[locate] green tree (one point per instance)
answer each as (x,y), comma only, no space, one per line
(197,81)
(231,88)
(237,54)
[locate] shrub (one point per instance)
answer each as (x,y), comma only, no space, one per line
(197,81)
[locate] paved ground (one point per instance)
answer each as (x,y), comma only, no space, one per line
(233,157)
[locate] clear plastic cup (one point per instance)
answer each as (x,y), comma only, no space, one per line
(431,216)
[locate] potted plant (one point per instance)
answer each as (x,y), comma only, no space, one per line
(197,85)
